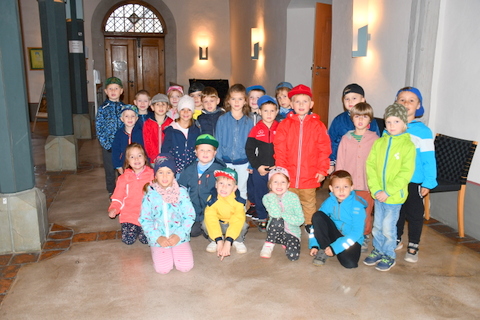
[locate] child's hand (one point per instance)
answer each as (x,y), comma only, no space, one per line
(262,170)
(250,171)
(224,249)
(328,251)
(424,191)
(313,252)
(120,170)
(331,169)
(319,177)
(163,241)
(381,196)
(173,240)
(112,213)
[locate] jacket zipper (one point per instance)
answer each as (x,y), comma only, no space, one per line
(299,154)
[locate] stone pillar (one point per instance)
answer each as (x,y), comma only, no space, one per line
(23,211)
(78,72)
(61,151)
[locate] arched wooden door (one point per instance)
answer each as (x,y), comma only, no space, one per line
(134,48)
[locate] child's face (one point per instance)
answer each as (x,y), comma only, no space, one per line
(395,125)
(236,101)
(410,101)
(253,98)
(113,92)
(129,118)
(136,159)
(197,97)
(283,100)
(174,97)
(205,153)
(165,177)
(361,122)
(160,108)
(186,114)
(268,112)
(142,102)
(210,103)
(279,184)
(351,99)
(302,104)
(225,186)
(341,188)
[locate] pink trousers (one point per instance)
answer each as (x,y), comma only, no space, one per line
(165,258)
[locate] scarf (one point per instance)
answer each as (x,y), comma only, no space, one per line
(169,195)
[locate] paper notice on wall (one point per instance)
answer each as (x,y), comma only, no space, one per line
(75,46)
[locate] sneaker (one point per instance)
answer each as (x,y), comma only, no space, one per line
(307,228)
(251,212)
(320,258)
(399,245)
(373,258)
(385,264)
(212,247)
(267,250)
(262,226)
(240,247)
(366,240)
(412,256)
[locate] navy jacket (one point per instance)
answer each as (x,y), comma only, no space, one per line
(182,149)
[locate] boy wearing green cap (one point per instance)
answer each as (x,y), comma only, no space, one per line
(199,177)
(107,123)
(225,218)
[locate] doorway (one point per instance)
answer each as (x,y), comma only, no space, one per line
(321,60)
(135,48)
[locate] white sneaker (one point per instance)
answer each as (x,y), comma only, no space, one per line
(240,247)
(212,247)
(267,250)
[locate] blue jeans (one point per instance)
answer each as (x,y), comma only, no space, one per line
(385,227)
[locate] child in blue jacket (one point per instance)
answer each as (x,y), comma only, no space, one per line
(339,223)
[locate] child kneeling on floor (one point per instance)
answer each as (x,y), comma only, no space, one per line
(286,216)
(224,221)
(338,224)
(166,218)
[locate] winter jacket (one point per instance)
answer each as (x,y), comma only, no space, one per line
(121,141)
(352,155)
(153,136)
(425,163)
(224,210)
(159,218)
(207,121)
(341,125)
(232,135)
(108,122)
(128,194)
(259,147)
(288,208)
(390,166)
(142,118)
(199,188)
(181,148)
(349,218)
(256,117)
(302,147)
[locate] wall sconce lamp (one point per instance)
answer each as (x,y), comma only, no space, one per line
(360,28)
(255,38)
(202,53)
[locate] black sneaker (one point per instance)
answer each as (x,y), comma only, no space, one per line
(252,212)
(262,226)
(307,228)
(320,258)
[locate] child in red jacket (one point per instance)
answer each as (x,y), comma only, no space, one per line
(302,146)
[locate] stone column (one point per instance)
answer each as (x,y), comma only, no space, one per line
(23,210)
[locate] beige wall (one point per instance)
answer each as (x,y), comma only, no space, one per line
(206,19)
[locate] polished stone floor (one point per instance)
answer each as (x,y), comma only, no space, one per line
(85,272)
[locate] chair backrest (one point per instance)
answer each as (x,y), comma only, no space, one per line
(454,157)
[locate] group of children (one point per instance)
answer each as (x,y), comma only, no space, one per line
(274,152)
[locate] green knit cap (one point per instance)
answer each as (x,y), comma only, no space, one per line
(396,110)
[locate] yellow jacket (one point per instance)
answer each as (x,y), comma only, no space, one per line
(225,210)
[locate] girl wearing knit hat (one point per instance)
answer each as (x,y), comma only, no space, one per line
(424,177)
(167,216)
(390,167)
(181,135)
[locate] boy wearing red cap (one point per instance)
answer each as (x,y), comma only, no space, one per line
(302,146)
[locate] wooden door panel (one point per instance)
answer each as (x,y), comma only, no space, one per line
(150,65)
(321,60)
(120,63)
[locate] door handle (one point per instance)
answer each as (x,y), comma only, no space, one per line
(321,68)
(131,83)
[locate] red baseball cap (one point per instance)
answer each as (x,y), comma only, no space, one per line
(300,89)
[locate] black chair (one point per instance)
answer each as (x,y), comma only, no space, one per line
(454,157)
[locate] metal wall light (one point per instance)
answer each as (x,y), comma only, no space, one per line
(255,38)
(360,28)
(203,53)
